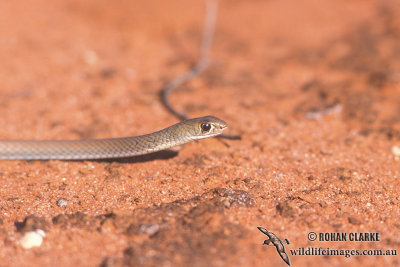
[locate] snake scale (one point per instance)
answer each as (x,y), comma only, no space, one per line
(177,134)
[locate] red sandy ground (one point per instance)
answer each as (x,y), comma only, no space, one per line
(311,86)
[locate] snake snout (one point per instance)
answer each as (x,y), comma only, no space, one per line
(223,126)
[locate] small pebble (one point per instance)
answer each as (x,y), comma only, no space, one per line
(62,202)
(149,229)
(32,239)
(396,151)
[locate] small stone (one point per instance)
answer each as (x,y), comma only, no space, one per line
(396,151)
(32,239)
(62,202)
(354,220)
(149,229)
(226,203)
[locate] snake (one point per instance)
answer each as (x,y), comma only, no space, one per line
(175,135)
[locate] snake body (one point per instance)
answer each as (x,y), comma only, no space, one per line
(177,134)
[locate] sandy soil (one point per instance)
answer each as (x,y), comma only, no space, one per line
(311,86)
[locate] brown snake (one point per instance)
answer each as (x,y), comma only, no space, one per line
(177,134)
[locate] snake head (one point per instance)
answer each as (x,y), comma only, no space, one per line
(205,127)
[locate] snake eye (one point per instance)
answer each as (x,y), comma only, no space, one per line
(206,127)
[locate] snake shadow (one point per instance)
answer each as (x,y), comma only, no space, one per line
(159,155)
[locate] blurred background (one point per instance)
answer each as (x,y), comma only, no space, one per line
(311,86)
